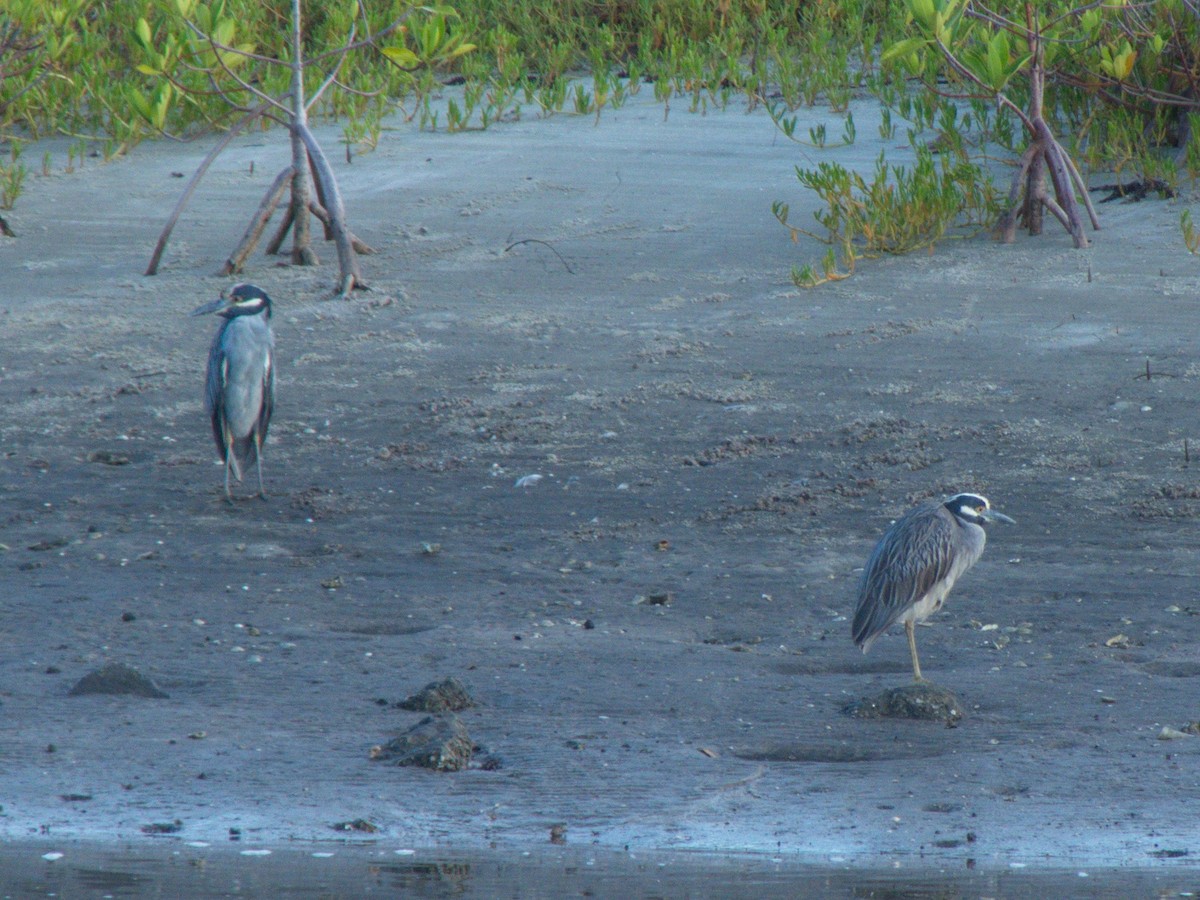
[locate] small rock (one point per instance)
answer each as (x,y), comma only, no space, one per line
(912,701)
(361,825)
(163,827)
(49,544)
(117,678)
(448,695)
(659,598)
(108,458)
(440,743)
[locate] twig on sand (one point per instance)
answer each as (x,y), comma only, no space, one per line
(566,265)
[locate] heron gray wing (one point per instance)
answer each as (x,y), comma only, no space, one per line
(268,395)
(214,389)
(914,555)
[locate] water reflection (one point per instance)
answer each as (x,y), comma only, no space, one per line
(429,879)
(371,870)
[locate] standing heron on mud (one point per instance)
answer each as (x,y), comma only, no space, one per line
(914,566)
(240,385)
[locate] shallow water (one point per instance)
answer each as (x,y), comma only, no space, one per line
(35,870)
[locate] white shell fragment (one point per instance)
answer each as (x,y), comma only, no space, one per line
(528,480)
(1171,734)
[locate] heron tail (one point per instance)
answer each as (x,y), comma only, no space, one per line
(244,453)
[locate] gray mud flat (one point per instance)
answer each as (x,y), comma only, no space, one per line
(704,434)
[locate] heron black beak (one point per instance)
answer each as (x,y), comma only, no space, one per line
(205,309)
(992,516)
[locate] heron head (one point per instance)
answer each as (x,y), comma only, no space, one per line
(243,299)
(975,508)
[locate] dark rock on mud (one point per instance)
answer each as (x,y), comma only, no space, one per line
(117,678)
(108,458)
(49,544)
(436,742)
(448,695)
(912,701)
(364,826)
(163,827)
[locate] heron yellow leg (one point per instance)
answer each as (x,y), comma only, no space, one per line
(230,462)
(910,630)
(262,491)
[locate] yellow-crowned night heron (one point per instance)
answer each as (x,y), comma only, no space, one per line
(914,566)
(240,387)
